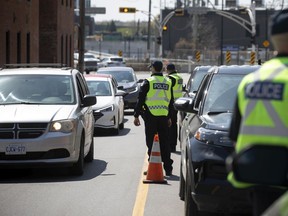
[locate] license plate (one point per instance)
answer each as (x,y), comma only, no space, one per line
(15,149)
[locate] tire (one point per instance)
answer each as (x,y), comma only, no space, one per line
(116,130)
(90,156)
(181,186)
(121,125)
(78,167)
(190,206)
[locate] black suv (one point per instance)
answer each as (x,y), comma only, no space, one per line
(205,144)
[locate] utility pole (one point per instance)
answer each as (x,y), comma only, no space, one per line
(82,36)
(149,30)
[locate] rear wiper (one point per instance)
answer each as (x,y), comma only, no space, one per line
(218,112)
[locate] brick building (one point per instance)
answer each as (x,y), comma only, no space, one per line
(34,31)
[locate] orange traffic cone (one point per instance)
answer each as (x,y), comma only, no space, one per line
(155,169)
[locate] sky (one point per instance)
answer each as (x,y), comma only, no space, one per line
(112,8)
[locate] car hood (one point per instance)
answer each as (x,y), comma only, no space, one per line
(218,122)
(35,113)
(127,85)
(103,101)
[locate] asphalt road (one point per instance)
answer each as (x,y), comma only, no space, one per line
(111,185)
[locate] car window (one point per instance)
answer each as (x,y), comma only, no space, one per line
(117,59)
(195,80)
(221,94)
(56,89)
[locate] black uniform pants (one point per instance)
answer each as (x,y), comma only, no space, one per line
(154,125)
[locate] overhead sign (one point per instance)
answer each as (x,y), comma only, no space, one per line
(95,10)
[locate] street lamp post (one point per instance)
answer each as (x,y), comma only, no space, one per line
(149,30)
(82,36)
(159,27)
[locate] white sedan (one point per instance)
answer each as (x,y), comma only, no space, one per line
(109,110)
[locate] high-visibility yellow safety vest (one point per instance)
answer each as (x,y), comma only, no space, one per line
(279,207)
(177,88)
(159,95)
(263,102)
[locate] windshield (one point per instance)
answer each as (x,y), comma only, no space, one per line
(36,89)
(99,88)
(117,59)
(89,56)
(221,94)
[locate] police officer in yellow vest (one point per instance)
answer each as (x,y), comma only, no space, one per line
(260,115)
(177,87)
(154,104)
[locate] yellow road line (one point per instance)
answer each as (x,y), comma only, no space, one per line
(142,193)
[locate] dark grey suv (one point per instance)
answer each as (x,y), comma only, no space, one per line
(205,144)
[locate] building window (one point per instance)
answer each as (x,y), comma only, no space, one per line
(8,47)
(28,48)
(19,47)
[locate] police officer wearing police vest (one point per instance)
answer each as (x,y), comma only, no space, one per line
(154,104)
(260,115)
(177,87)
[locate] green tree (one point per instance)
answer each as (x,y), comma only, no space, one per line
(111,27)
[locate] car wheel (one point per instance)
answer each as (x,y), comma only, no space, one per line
(181,185)
(190,206)
(90,156)
(116,130)
(121,125)
(78,167)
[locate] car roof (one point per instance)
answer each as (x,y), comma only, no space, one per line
(115,69)
(203,68)
(98,77)
(234,69)
(38,71)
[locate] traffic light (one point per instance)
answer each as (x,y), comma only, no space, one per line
(179,12)
(165,28)
(159,40)
(127,10)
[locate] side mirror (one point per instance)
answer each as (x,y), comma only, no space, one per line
(184,88)
(89,100)
(261,164)
(121,93)
(184,104)
(120,87)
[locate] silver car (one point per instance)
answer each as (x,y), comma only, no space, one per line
(46,118)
